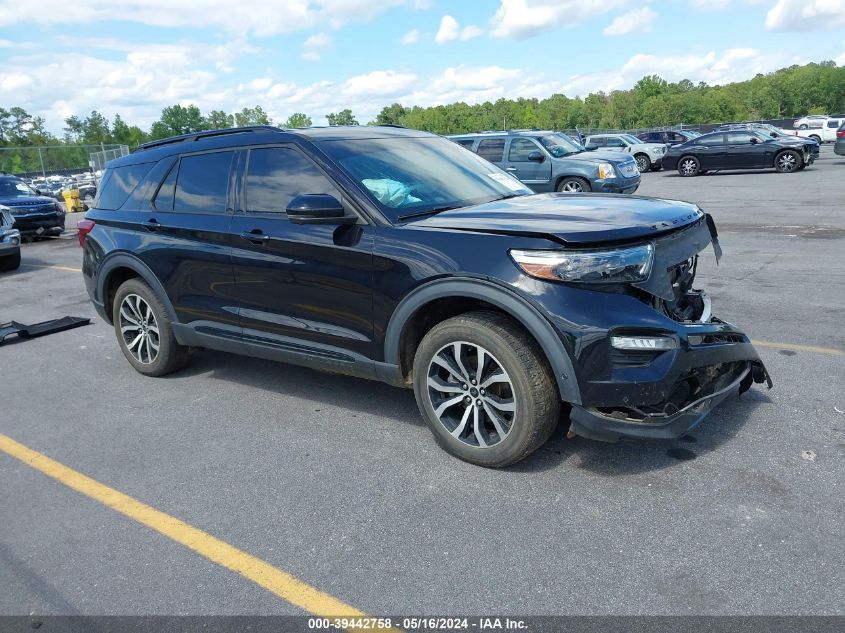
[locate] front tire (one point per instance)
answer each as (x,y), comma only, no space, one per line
(144,331)
(817,139)
(485,389)
(643,163)
(689,166)
(10,262)
(788,161)
(573,184)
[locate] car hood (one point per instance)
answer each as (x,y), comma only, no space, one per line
(570,218)
(25,201)
(600,156)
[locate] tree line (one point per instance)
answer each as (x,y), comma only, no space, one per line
(651,102)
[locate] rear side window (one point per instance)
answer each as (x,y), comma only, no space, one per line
(465,143)
(202,185)
(714,139)
(276,175)
(118,183)
(598,141)
(492,149)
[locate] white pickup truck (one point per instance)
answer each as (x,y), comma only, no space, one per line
(824,134)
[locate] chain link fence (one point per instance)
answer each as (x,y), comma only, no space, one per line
(98,160)
(48,160)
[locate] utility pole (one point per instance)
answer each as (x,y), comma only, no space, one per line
(41,158)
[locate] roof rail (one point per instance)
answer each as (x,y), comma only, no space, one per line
(195,136)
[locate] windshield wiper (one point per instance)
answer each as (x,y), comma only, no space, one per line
(434,211)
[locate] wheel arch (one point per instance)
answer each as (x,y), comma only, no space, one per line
(507,302)
(119,267)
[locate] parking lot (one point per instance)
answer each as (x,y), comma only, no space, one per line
(337,482)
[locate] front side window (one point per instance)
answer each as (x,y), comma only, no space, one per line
(276,175)
(560,145)
(740,138)
(520,149)
(492,149)
(410,176)
(202,185)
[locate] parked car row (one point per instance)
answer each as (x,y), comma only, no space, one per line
(815,120)
(33,212)
(647,155)
(55,186)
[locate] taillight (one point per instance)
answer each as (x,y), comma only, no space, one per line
(840,133)
(83,228)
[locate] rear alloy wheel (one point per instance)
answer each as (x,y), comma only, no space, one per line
(485,389)
(144,332)
(643,163)
(788,161)
(689,166)
(573,185)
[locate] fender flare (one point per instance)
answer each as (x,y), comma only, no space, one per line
(125,260)
(517,307)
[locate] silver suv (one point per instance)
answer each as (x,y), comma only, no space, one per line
(647,155)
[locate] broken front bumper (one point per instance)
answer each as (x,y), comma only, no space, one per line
(729,364)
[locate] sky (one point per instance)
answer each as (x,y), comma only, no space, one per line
(135,57)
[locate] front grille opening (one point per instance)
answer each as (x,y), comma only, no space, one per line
(716,339)
(622,359)
(692,385)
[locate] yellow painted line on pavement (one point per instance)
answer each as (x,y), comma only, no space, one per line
(64,268)
(800,348)
(276,581)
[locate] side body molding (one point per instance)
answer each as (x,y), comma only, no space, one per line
(512,304)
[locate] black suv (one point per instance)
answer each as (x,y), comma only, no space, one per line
(397,255)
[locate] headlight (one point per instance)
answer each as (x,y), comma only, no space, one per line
(606,171)
(600,266)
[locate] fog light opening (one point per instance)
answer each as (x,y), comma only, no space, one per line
(643,343)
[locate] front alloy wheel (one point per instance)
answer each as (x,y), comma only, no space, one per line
(472,396)
(787,162)
(139,329)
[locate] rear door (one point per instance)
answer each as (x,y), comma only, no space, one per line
(537,175)
(302,288)
(186,241)
(710,150)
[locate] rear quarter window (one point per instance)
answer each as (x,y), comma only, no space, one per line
(118,183)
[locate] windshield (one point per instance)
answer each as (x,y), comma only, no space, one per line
(408,177)
(15,189)
(633,140)
(559,145)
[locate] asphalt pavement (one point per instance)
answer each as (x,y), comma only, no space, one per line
(337,481)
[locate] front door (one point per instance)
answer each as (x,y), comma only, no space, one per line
(302,288)
(535,174)
(742,152)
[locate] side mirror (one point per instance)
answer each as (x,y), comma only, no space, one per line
(536,156)
(754,140)
(317,208)
(38,192)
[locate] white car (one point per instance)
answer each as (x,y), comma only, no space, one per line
(824,134)
(810,121)
(647,155)
(10,241)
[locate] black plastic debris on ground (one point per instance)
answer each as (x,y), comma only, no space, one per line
(40,329)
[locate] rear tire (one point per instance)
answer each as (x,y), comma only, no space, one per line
(513,406)
(10,262)
(689,166)
(573,184)
(788,161)
(144,331)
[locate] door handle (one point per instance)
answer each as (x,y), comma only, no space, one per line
(255,236)
(510,168)
(152,225)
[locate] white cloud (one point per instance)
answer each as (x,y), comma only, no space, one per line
(450,30)
(378,82)
(249,16)
(525,18)
(732,65)
(6,44)
(635,21)
(314,45)
(411,37)
(806,15)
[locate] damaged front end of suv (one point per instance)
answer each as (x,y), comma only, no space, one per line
(651,359)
